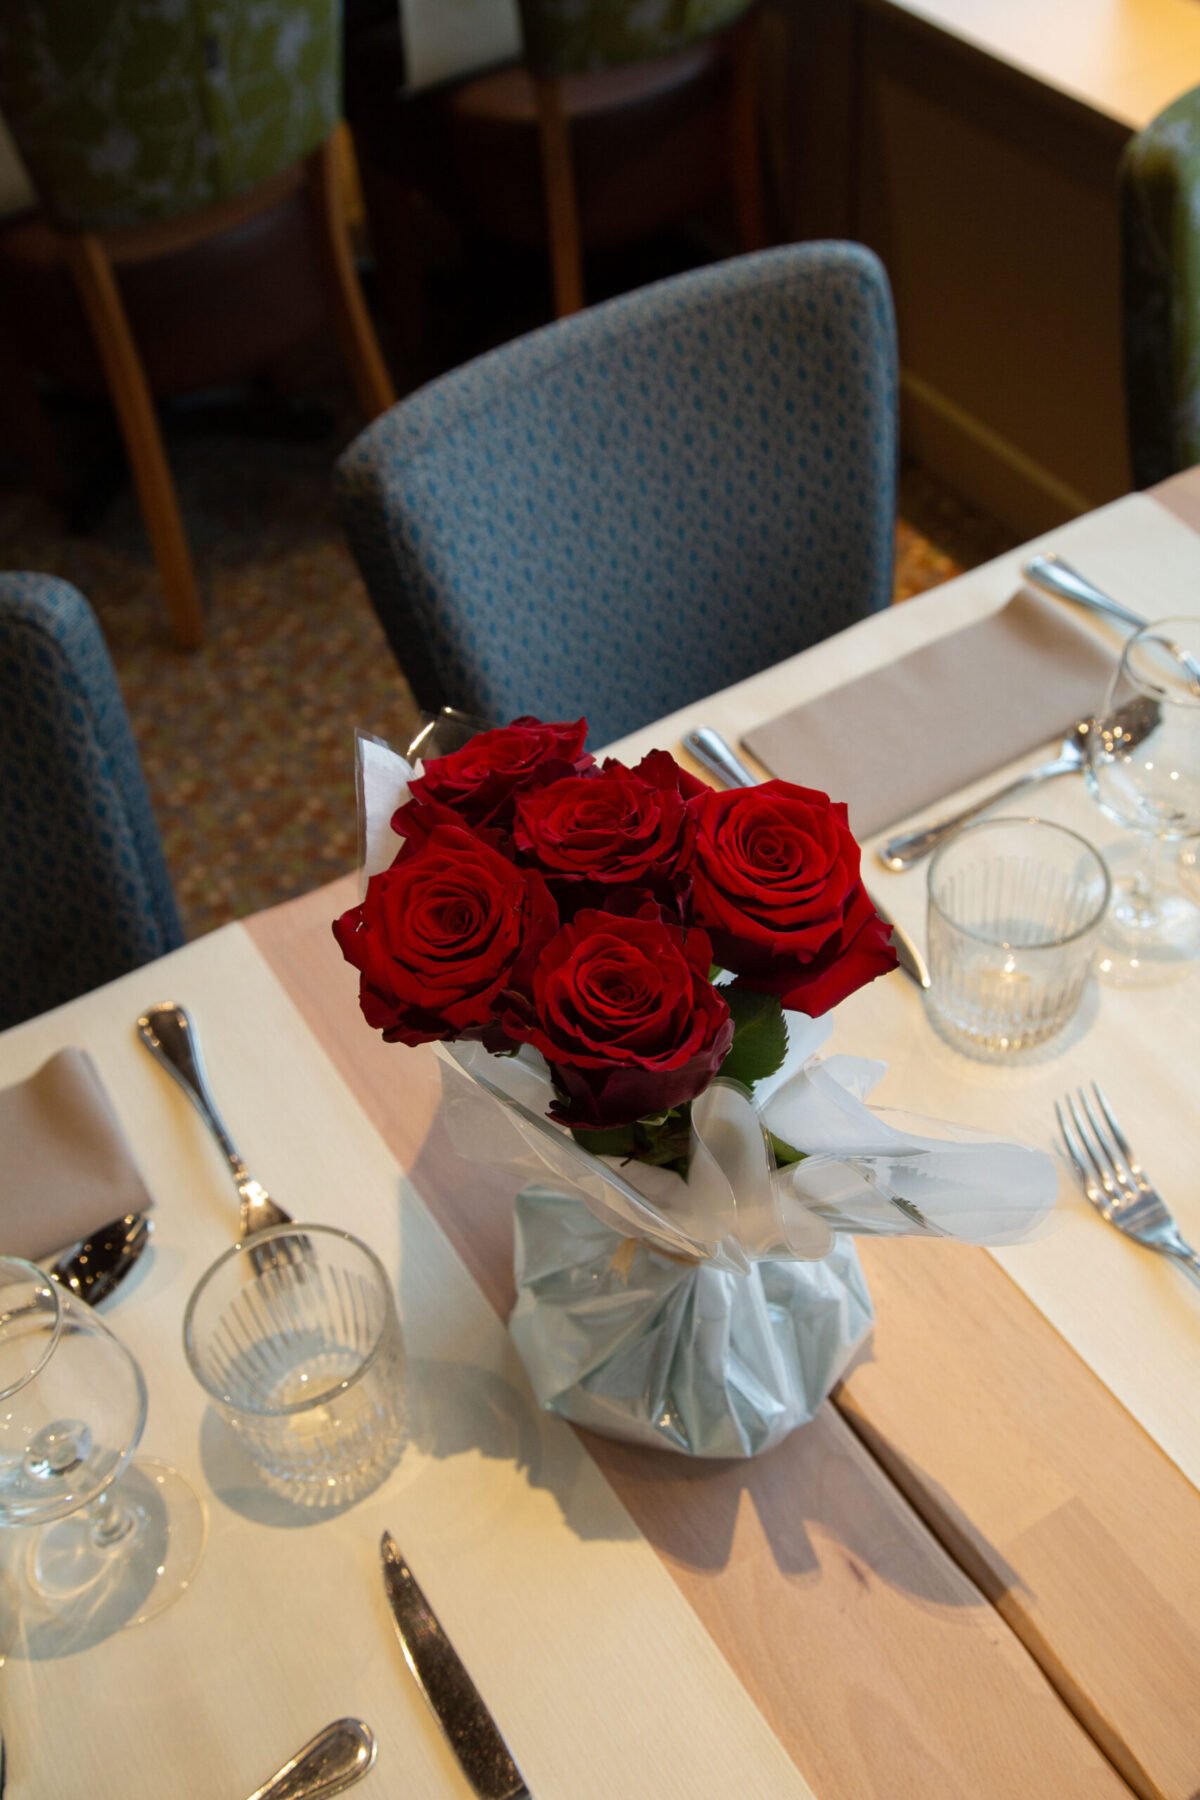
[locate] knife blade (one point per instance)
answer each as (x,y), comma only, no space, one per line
(719,757)
(455,1701)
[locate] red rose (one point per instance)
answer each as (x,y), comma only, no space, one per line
(617,828)
(626,1017)
(441,934)
(480,782)
(775,879)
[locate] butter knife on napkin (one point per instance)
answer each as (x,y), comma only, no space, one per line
(470,1729)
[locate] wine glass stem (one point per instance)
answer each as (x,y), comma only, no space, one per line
(1144,883)
(111,1521)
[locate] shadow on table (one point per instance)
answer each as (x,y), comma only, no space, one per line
(819,1495)
(33,1630)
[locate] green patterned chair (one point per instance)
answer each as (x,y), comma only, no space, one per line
(152,126)
(625,116)
(1160,231)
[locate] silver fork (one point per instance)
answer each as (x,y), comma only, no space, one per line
(1114,1180)
(170,1036)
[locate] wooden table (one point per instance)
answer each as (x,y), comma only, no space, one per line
(972,1574)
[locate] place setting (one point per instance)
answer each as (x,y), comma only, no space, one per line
(1060,929)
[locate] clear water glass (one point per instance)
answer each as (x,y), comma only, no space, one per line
(294,1336)
(1015,906)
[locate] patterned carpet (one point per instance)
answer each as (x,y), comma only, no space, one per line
(248,744)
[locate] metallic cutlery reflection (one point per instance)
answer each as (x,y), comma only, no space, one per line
(908,847)
(1059,579)
(472,1733)
(718,756)
(1114,1181)
(170,1036)
(335,1759)
(94,1268)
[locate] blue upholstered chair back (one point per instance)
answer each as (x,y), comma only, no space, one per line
(632,508)
(84,890)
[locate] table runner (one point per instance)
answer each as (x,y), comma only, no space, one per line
(516,1536)
(1131,1316)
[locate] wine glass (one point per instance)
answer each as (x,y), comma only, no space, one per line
(1143,768)
(112,1541)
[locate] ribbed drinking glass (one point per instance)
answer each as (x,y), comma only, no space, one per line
(294,1336)
(1014,909)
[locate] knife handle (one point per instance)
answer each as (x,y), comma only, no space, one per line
(1058,578)
(713,753)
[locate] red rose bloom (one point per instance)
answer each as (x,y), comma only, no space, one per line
(441,935)
(626,1017)
(480,782)
(775,880)
(617,828)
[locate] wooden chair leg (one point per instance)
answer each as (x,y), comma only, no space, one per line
(562,207)
(89,263)
(745,126)
(360,346)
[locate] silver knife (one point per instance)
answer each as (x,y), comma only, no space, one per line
(470,1729)
(720,759)
(1058,578)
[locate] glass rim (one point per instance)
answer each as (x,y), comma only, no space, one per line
(255,1241)
(38,1280)
(1152,630)
(1050,943)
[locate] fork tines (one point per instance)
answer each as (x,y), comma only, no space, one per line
(1098,1149)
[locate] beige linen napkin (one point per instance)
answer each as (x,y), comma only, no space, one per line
(65,1164)
(932,722)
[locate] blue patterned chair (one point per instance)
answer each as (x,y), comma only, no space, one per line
(1160,254)
(84,890)
(638,505)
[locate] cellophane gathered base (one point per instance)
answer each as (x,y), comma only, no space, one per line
(694,1357)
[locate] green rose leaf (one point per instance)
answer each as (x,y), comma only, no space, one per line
(759,1037)
(621,1140)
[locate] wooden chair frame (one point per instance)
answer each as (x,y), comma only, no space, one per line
(558,171)
(94,259)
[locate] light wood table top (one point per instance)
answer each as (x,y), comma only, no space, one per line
(1123,60)
(972,1574)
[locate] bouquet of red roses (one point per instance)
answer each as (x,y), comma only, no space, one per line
(641,931)
(624,959)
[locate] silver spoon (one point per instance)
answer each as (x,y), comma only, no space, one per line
(94,1268)
(908,847)
(335,1759)
(170,1037)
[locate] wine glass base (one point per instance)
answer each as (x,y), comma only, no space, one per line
(84,1582)
(1189,870)
(1146,946)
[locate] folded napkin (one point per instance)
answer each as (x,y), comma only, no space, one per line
(906,735)
(65,1164)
